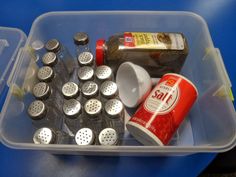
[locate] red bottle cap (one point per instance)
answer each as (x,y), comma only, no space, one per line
(100,52)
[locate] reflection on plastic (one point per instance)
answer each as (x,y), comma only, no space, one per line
(3,43)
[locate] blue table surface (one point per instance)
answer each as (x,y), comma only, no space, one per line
(219,15)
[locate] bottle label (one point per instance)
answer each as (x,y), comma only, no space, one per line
(163,98)
(169,41)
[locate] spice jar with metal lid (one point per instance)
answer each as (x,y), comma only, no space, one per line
(70,90)
(89,90)
(44,116)
(103,73)
(52,98)
(47,74)
(81,40)
(86,59)
(108,137)
(73,114)
(47,135)
(51,59)
(93,112)
(62,53)
(114,115)
(38,49)
(108,90)
(85,136)
(85,73)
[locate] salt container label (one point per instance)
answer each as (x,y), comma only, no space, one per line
(163,98)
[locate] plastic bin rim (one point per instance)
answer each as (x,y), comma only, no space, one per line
(122,149)
(187,13)
(120,12)
(14,29)
(23,37)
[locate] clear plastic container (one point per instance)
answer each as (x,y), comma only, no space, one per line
(209,127)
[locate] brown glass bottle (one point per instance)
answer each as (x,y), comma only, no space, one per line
(158,53)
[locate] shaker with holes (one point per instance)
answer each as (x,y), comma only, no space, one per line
(85,73)
(103,73)
(51,59)
(93,112)
(86,59)
(108,137)
(47,74)
(70,90)
(89,90)
(108,90)
(73,115)
(52,98)
(47,135)
(37,49)
(85,136)
(81,40)
(62,53)
(42,115)
(114,115)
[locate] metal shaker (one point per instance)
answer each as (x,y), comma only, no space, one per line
(93,112)
(85,73)
(52,98)
(81,41)
(89,90)
(47,74)
(44,116)
(86,59)
(73,114)
(103,73)
(47,135)
(85,136)
(62,53)
(108,90)
(108,137)
(51,59)
(71,90)
(37,49)
(114,115)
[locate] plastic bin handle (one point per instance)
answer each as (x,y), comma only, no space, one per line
(224,72)
(222,65)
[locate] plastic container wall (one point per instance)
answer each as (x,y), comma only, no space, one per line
(11,39)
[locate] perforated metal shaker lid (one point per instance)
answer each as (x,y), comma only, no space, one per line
(109,89)
(89,89)
(44,136)
(103,73)
(37,45)
(81,38)
(45,74)
(72,108)
(114,108)
(85,136)
(93,107)
(49,59)
(41,91)
(70,90)
(37,110)
(85,59)
(53,45)
(85,73)
(108,137)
